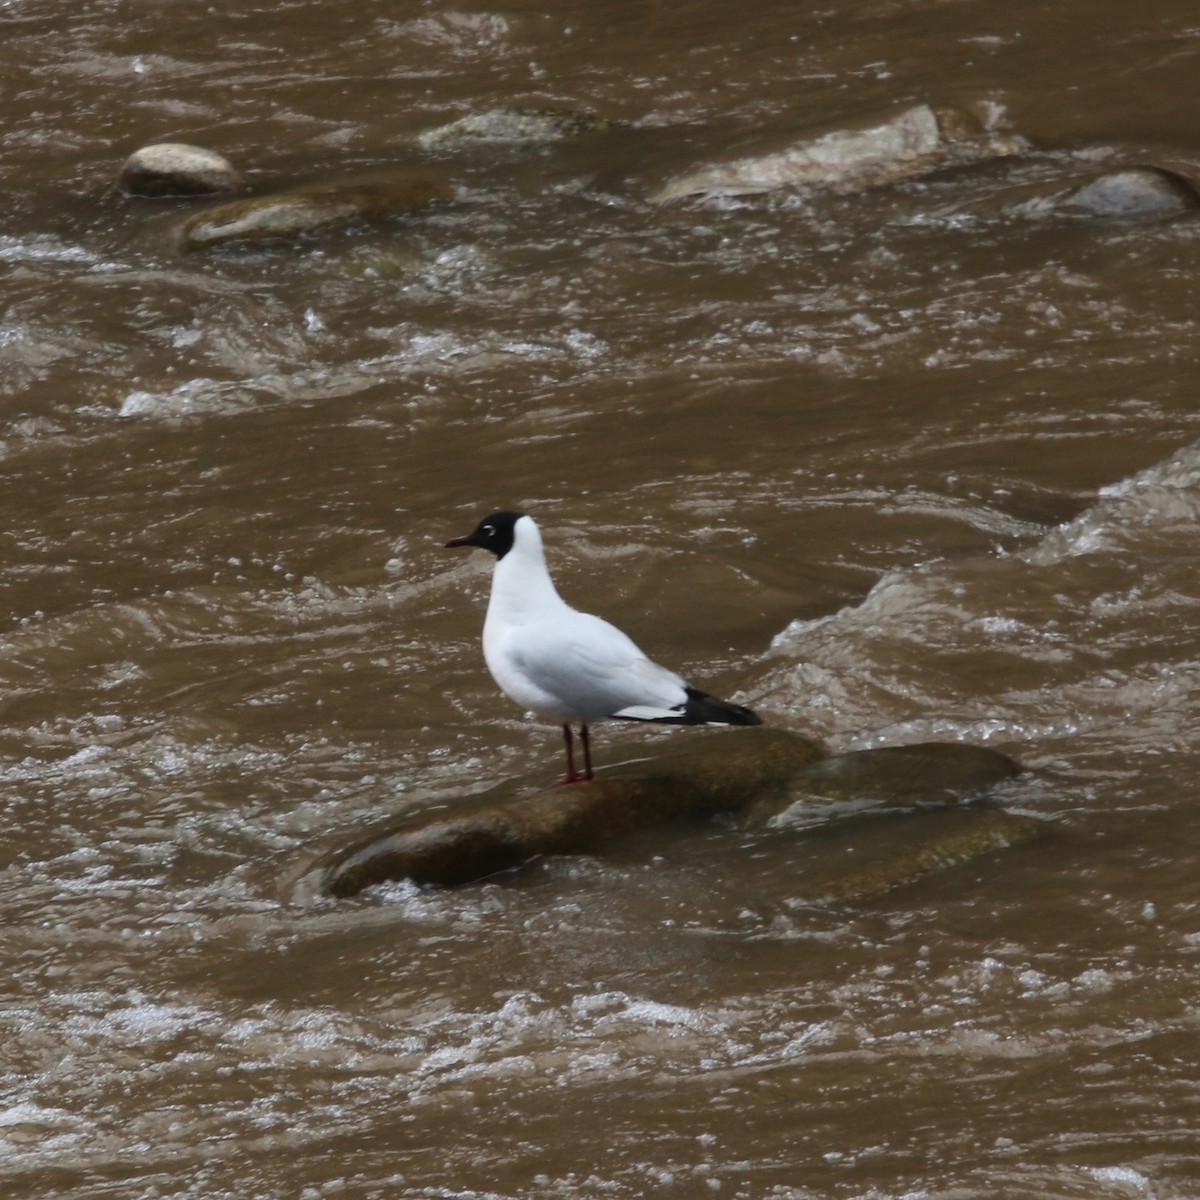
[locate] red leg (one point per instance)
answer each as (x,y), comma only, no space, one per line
(587,752)
(568,741)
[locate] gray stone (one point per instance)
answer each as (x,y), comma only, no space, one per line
(172,169)
(1134,194)
(913,142)
(512,125)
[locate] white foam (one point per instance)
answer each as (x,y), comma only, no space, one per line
(26,1112)
(1123,1177)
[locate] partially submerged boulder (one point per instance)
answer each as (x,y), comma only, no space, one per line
(864,858)
(771,773)
(915,141)
(173,169)
(923,775)
(1133,194)
(512,125)
(508,825)
(319,206)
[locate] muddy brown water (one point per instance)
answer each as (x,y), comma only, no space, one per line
(890,467)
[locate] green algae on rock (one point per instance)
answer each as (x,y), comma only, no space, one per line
(319,206)
(915,141)
(516,821)
(512,125)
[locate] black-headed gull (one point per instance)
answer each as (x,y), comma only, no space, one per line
(570,665)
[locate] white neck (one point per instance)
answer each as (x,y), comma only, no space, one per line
(522,589)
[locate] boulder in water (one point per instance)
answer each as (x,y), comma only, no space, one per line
(1133,194)
(915,141)
(781,778)
(862,859)
(512,125)
(502,828)
(320,206)
(172,169)
(926,774)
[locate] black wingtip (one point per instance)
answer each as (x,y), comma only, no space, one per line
(703,709)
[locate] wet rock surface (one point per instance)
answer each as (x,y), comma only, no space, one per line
(512,125)
(1133,194)
(898,777)
(508,825)
(319,206)
(866,857)
(177,169)
(853,157)
(916,141)
(777,774)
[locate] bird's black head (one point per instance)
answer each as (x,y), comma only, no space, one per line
(494,533)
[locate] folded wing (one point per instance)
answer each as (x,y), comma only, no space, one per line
(595,671)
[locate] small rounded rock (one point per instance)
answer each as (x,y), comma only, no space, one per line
(168,169)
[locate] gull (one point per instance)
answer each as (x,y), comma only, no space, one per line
(569,665)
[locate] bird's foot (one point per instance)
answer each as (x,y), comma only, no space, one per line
(573,777)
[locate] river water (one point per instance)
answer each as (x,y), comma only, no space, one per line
(912,464)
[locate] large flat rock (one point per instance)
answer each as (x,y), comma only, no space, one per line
(776,777)
(704,773)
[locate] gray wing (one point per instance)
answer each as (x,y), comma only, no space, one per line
(597,671)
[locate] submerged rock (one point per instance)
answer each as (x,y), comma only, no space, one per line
(533,125)
(1133,194)
(168,169)
(319,206)
(510,824)
(781,777)
(925,774)
(910,143)
(862,859)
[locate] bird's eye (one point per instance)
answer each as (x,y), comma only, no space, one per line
(489,529)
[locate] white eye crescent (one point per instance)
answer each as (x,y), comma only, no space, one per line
(489,529)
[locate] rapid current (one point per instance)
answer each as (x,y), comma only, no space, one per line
(918,462)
